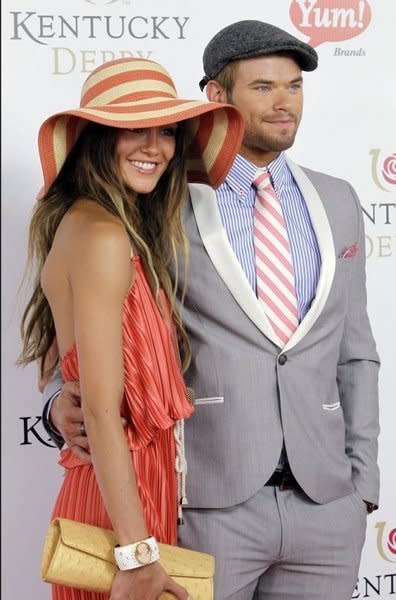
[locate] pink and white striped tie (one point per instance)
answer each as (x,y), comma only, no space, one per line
(274,265)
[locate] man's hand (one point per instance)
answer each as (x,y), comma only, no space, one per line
(66,416)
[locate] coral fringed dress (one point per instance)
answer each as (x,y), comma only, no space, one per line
(154,401)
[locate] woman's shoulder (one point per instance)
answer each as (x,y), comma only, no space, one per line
(89,233)
(89,213)
(87,222)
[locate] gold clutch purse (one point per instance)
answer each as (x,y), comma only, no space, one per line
(81,556)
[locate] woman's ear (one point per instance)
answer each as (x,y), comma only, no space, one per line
(215,92)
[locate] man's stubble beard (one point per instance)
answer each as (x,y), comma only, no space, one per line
(262,142)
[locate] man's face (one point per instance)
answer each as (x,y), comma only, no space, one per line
(268,93)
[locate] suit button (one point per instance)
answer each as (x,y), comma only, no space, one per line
(282,359)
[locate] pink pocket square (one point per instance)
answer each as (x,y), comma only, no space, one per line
(350,251)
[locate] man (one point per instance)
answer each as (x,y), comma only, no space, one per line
(282,448)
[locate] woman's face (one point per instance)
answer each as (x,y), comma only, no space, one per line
(143,155)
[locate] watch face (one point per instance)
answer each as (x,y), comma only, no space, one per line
(143,553)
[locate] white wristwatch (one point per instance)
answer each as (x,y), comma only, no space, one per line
(137,555)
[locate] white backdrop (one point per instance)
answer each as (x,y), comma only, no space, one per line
(348,130)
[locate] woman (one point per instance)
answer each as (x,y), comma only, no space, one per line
(103,236)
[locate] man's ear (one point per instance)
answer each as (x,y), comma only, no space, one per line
(215,92)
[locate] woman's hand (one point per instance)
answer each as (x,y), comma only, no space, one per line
(145,583)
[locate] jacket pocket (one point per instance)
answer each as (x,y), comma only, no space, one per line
(209,400)
(333,406)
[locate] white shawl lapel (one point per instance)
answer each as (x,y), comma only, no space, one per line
(215,240)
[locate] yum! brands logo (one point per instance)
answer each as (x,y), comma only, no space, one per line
(386,542)
(330,20)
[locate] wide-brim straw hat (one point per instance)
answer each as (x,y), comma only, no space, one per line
(135,92)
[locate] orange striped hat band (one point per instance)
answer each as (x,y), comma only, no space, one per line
(136,92)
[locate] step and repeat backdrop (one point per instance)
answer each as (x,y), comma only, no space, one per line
(348,130)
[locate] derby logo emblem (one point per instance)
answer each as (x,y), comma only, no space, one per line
(383,170)
(386,542)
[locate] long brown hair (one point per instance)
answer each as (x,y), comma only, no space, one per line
(153,223)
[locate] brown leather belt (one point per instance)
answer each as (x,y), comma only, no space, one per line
(284,480)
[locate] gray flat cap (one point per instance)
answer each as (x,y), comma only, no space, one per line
(246,39)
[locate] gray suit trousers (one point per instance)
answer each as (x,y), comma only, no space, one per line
(280,545)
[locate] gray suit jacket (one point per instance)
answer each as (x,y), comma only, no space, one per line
(322,400)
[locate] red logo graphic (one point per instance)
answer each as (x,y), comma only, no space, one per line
(383,169)
(386,543)
(392,541)
(389,169)
(330,20)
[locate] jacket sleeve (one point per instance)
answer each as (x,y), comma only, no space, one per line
(357,378)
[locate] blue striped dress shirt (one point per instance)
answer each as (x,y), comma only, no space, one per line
(236,198)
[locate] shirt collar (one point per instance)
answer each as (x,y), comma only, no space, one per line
(240,176)
(243,171)
(279,172)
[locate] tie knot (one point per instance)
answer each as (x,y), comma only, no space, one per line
(262,180)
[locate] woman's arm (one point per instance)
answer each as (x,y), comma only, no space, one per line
(48,362)
(100,274)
